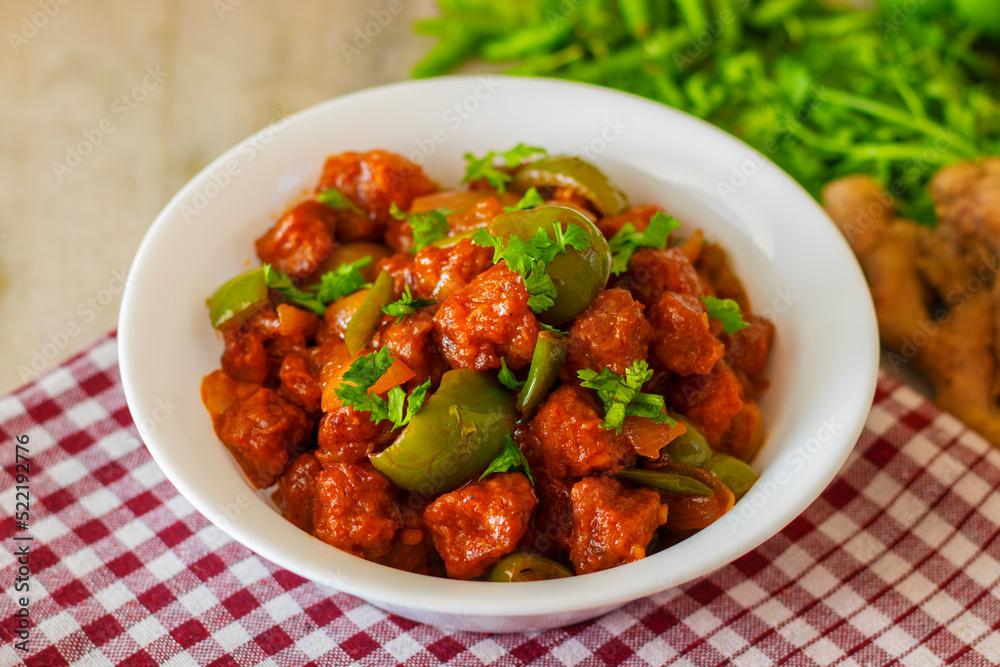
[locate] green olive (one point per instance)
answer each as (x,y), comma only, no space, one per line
(576,174)
(578,275)
(735,474)
(689,448)
(455,435)
(524,566)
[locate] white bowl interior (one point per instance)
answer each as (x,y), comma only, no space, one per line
(796,267)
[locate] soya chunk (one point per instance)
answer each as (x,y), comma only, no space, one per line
(474,526)
(652,271)
(611,333)
(440,272)
(297,487)
(682,342)
(487,320)
(711,401)
(412,342)
(612,524)
(355,510)
(568,438)
(300,241)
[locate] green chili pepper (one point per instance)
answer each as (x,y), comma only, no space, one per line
(361,328)
(734,473)
(546,360)
(455,435)
(690,448)
(237,295)
(577,275)
(524,566)
(666,481)
(577,174)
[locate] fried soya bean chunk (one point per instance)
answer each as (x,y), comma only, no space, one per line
(553,520)
(637,216)
(355,510)
(683,342)
(568,437)
(244,357)
(611,333)
(747,349)
(300,241)
(711,401)
(347,435)
(652,271)
(260,428)
(400,267)
(476,525)
(487,320)
(412,548)
(373,181)
(412,342)
(713,266)
(440,272)
(745,434)
(298,383)
(612,524)
(297,491)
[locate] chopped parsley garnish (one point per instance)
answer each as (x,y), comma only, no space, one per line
(282,283)
(726,311)
(621,395)
(336,200)
(507,378)
(529,258)
(343,280)
(626,241)
(362,375)
(553,329)
(509,459)
(427,227)
(406,305)
(485,167)
(531,199)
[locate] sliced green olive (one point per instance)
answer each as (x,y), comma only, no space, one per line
(237,295)
(665,481)
(734,473)
(578,275)
(524,566)
(547,359)
(576,174)
(689,448)
(455,435)
(361,328)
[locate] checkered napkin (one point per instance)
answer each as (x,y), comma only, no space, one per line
(896,563)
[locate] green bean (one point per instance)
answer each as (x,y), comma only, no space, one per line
(665,481)
(447,54)
(524,41)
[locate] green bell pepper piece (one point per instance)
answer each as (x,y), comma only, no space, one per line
(690,448)
(734,473)
(577,174)
(524,566)
(237,295)
(455,435)
(666,481)
(361,328)
(546,360)
(578,275)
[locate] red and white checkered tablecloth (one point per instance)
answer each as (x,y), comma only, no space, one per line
(897,563)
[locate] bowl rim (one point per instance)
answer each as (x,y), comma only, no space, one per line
(380,584)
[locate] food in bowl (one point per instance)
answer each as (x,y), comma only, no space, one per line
(524,380)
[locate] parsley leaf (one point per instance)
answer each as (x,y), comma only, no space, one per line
(427,227)
(726,311)
(531,199)
(507,378)
(485,167)
(282,283)
(510,458)
(529,258)
(406,305)
(621,395)
(363,373)
(343,280)
(336,200)
(626,240)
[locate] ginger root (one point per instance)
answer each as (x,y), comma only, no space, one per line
(936,299)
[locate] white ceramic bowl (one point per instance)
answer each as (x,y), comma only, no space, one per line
(792,259)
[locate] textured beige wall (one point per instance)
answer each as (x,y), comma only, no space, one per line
(151,91)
